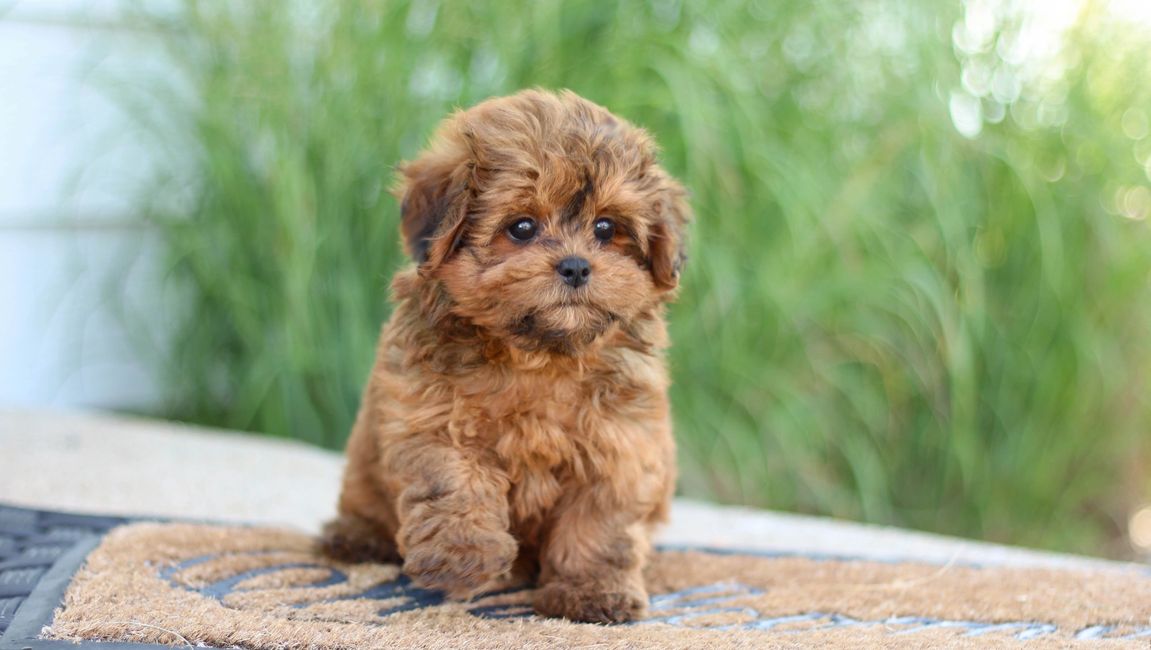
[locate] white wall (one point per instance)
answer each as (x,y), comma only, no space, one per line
(67,236)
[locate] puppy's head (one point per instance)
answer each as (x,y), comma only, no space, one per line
(545,218)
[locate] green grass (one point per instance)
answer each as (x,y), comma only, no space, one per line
(882,319)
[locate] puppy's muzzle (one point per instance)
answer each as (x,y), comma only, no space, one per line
(574,270)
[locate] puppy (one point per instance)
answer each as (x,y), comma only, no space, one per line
(515,425)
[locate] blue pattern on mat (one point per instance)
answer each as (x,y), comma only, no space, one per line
(684,608)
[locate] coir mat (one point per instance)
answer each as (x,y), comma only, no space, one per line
(181,584)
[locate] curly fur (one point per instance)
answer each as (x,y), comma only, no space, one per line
(514,427)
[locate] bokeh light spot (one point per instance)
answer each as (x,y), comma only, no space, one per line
(1139,528)
(1135,123)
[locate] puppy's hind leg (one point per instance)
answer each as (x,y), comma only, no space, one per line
(365,529)
(349,538)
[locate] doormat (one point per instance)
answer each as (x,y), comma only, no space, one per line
(180,584)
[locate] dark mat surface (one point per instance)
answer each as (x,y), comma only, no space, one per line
(31,541)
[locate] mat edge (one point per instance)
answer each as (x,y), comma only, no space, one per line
(39,609)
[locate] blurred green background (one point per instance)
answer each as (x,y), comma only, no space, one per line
(919,277)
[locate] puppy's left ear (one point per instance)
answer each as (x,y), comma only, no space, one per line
(435,191)
(667,241)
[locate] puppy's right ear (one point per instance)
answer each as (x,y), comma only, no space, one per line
(434,190)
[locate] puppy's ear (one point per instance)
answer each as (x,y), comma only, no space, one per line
(667,240)
(435,190)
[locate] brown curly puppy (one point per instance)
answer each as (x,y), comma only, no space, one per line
(516,425)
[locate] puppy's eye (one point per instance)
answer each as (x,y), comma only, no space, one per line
(604,229)
(522,230)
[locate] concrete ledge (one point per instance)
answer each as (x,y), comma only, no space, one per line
(118,465)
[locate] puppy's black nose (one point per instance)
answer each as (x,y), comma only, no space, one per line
(574,270)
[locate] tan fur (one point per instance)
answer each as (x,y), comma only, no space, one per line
(514,427)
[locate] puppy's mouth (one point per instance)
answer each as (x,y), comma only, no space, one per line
(564,329)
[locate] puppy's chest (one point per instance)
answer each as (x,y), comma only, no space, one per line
(530,420)
(543,432)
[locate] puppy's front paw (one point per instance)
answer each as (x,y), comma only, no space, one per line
(461,562)
(590,604)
